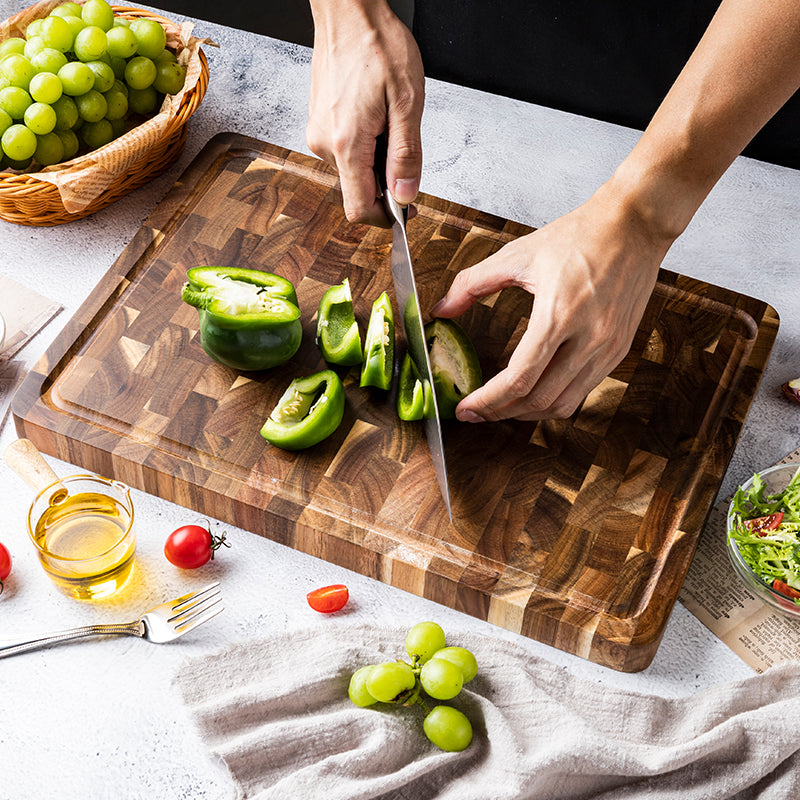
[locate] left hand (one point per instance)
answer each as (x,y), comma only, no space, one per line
(592,272)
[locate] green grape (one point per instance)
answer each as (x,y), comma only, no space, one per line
(97,134)
(166,55)
(441,679)
(70,142)
(142,101)
(448,729)
(18,69)
(45,88)
(103,75)
(117,104)
(76,25)
(140,72)
(170,77)
(122,42)
(57,33)
(15,44)
(118,65)
(462,658)
(5,121)
(33,46)
(40,118)
(118,126)
(49,60)
(357,691)
(423,640)
(386,681)
(98,12)
(90,43)
(66,10)
(76,78)
(92,106)
(34,28)
(20,164)
(14,101)
(18,142)
(150,37)
(49,149)
(66,113)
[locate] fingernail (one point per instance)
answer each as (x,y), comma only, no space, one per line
(469,416)
(437,308)
(405,190)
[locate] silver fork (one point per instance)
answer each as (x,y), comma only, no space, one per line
(161,624)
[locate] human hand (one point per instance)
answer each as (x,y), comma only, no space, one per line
(592,272)
(366,79)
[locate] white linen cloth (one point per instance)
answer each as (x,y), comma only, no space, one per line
(277,712)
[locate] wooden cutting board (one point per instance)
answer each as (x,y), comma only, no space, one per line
(577,533)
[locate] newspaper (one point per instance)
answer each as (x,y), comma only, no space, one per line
(712,592)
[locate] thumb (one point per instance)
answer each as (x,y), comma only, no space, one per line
(404,160)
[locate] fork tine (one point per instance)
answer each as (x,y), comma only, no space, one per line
(186,598)
(191,609)
(200,617)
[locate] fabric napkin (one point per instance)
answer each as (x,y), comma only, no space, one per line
(277,712)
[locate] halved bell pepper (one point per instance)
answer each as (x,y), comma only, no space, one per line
(454,364)
(308,411)
(338,337)
(378,365)
(414,399)
(249,319)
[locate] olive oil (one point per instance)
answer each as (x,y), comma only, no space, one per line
(86,544)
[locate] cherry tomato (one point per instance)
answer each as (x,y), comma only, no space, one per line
(191,546)
(784,588)
(329,598)
(762,525)
(5,565)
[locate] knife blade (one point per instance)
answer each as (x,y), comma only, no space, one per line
(405,290)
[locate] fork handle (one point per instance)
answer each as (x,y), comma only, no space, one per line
(11,648)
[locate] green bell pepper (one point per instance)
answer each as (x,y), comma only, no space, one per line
(414,399)
(338,337)
(378,365)
(456,370)
(249,319)
(309,411)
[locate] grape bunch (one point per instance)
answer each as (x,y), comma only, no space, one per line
(80,78)
(436,670)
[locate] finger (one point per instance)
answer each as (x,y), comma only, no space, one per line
(508,392)
(360,195)
(404,159)
(499,271)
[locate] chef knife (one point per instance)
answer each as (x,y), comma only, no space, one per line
(405,290)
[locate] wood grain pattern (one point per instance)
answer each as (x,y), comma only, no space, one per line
(574,532)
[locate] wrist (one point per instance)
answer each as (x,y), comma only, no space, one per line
(365,12)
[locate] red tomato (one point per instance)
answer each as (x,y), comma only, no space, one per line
(762,525)
(5,565)
(329,598)
(191,546)
(784,588)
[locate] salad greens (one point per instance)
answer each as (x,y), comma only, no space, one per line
(766,530)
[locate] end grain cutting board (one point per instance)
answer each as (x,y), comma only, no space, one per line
(577,533)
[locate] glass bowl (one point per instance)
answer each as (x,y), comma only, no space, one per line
(776,479)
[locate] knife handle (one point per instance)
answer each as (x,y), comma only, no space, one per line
(395,211)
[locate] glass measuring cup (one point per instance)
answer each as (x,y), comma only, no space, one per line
(81,526)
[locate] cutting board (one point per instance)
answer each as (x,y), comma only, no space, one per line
(577,533)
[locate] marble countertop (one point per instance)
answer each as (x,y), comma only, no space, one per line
(103,719)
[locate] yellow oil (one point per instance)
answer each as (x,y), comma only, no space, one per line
(84,546)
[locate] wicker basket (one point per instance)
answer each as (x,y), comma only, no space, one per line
(27,200)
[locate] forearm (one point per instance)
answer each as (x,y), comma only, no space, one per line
(744,69)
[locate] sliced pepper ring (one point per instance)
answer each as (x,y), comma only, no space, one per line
(309,411)
(338,336)
(249,319)
(456,370)
(414,398)
(378,367)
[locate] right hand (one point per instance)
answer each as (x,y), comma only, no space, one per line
(366,78)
